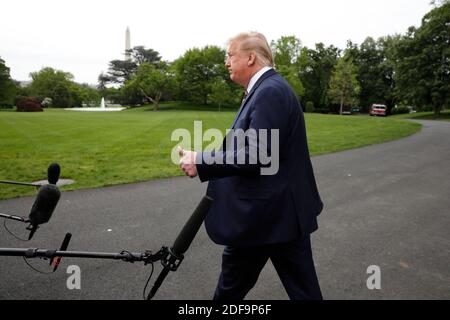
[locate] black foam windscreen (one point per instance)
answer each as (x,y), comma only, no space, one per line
(190,229)
(44,205)
(53,172)
(183,241)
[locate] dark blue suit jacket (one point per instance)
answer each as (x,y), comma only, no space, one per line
(253,209)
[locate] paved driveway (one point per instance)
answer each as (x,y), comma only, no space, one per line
(386,205)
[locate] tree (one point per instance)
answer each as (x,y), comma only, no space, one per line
(141,55)
(287,52)
(423,61)
(84,95)
(61,90)
(21,92)
(438,3)
(375,62)
(387,70)
(103,80)
(309,106)
(195,71)
(290,73)
(54,84)
(112,94)
(315,69)
(61,96)
(149,83)
(221,93)
(7,86)
(120,71)
(344,87)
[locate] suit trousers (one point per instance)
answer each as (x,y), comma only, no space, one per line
(293,262)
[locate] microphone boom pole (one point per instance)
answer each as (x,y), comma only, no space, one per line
(169,257)
(53,172)
(21,183)
(12,217)
(48,253)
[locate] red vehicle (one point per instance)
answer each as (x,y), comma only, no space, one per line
(378,110)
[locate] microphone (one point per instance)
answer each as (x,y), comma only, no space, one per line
(53,173)
(190,229)
(43,207)
(56,260)
(182,242)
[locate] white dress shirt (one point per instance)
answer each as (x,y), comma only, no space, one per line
(255,78)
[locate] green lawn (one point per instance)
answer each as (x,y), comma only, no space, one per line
(100,149)
(443,116)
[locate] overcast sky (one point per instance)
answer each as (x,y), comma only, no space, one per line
(82,36)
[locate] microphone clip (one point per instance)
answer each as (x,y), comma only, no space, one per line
(172,261)
(149,257)
(168,258)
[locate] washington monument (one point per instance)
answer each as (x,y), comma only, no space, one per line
(127,45)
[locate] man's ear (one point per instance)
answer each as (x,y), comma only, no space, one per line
(251,59)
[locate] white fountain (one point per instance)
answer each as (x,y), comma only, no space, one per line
(102,104)
(102,108)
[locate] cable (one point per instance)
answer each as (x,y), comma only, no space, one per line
(11,233)
(24,258)
(26,261)
(148,280)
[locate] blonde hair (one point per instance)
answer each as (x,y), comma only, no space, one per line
(257,42)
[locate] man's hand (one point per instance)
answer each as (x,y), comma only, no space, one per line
(187,162)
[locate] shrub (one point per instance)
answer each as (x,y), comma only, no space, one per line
(29,104)
(399,110)
(321,110)
(310,106)
(47,102)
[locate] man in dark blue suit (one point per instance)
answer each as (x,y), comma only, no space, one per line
(262,210)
